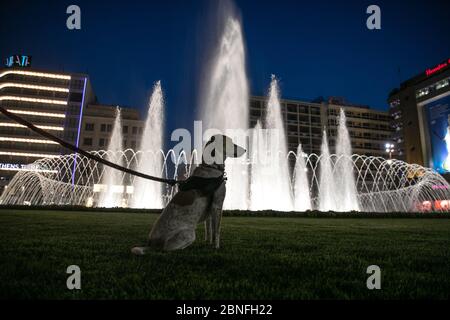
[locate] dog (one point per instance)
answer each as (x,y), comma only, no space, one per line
(199,199)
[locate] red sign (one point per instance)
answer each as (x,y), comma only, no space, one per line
(440,66)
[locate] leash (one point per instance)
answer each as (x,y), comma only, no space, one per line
(75,149)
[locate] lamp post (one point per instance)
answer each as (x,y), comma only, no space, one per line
(389,149)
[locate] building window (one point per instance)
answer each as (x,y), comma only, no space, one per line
(109,127)
(87,141)
(101,142)
(135,130)
(140,130)
(125,129)
(133,144)
(77,84)
(89,127)
(103,127)
(75,97)
(443,83)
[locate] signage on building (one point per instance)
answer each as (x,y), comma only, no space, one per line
(437,68)
(18,61)
(23,167)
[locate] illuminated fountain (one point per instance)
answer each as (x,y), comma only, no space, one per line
(327,184)
(148,194)
(382,185)
(260,180)
(225,105)
(112,180)
(270,173)
(302,197)
(346,195)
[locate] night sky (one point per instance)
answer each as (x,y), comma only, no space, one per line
(316,48)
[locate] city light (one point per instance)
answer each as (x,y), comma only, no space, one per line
(36,74)
(28,154)
(38,114)
(25,99)
(389,149)
(16,125)
(43,141)
(31,86)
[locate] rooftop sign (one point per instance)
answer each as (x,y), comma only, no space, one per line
(18,61)
(437,68)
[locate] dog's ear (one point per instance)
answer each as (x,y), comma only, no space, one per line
(238,151)
(232,149)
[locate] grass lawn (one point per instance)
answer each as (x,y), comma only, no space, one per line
(260,258)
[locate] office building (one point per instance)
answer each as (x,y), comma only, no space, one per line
(305,121)
(420,109)
(53,101)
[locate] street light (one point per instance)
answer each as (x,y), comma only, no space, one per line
(389,149)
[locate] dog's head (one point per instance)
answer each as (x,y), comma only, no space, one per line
(220,147)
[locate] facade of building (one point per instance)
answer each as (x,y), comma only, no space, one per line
(98,123)
(304,121)
(420,111)
(53,101)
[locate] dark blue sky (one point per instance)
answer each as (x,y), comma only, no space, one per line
(316,48)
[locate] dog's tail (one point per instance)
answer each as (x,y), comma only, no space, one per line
(152,245)
(140,251)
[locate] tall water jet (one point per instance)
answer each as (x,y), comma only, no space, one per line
(225,106)
(276,178)
(112,180)
(327,186)
(302,198)
(258,199)
(346,193)
(148,194)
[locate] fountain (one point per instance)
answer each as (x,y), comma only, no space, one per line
(257,160)
(261,180)
(382,185)
(270,173)
(112,180)
(346,199)
(302,198)
(225,106)
(327,184)
(148,194)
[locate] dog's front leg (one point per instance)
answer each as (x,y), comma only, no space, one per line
(216,218)
(208,230)
(216,213)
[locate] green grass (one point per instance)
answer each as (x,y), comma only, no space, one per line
(260,258)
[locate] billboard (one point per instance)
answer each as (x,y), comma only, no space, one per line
(438,115)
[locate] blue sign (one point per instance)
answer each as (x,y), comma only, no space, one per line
(18,61)
(438,114)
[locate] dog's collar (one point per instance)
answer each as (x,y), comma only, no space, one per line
(219,167)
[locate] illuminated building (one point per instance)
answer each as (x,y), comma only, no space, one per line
(420,109)
(52,101)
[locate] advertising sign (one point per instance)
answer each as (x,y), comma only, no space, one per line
(438,115)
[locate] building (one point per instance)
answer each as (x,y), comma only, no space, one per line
(420,109)
(53,101)
(98,123)
(62,103)
(305,121)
